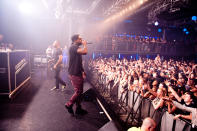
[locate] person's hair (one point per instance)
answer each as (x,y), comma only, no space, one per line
(74,37)
(189,93)
(56,43)
(148,123)
(164,90)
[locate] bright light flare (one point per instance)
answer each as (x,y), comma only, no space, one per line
(156,23)
(122,14)
(26,8)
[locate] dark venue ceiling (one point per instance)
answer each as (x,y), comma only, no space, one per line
(171,14)
(168,11)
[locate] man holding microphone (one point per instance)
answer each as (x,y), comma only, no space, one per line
(76,73)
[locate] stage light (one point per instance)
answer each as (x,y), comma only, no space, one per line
(141,1)
(156,23)
(146,37)
(26,8)
(119,55)
(127,21)
(93,56)
(184,29)
(137,56)
(159,30)
(187,32)
(194,18)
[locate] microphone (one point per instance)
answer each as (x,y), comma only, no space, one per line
(89,43)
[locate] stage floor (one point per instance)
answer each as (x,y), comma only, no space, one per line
(37,108)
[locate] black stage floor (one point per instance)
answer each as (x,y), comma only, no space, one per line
(37,108)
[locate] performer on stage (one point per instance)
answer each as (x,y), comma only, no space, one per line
(76,73)
(58,65)
(50,57)
(49,51)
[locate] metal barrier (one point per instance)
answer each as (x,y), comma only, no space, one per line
(135,107)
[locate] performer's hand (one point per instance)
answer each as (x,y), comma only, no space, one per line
(84,75)
(84,42)
(54,66)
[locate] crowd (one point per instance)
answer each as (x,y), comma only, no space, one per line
(142,44)
(169,84)
(134,38)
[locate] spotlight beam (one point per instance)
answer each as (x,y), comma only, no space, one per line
(93,6)
(45,4)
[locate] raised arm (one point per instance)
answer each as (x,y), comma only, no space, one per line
(175,94)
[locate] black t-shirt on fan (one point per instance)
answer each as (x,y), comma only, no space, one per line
(75,61)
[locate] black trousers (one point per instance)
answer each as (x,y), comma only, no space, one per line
(58,80)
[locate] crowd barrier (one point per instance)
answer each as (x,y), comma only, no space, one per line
(144,108)
(137,107)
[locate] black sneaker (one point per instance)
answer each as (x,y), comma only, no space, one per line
(70,109)
(80,111)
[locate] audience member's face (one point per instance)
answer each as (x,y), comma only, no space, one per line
(141,82)
(182,80)
(161,85)
(187,98)
(154,88)
(192,76)
(180,75)
(145,75)
(189,82)
(154,83)
(159,92)
(135,83)
(162,74)
(155,75)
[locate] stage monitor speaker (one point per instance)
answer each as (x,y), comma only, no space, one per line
(88,92)
(109,126)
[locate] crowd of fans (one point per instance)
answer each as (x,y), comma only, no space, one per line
(142,44)
(167,83)
(134,38)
